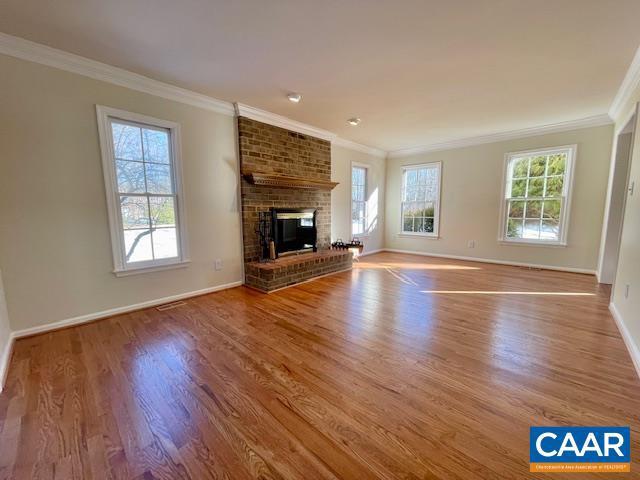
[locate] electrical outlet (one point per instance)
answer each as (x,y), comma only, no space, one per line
(471,244)
(626,290)
(219,264)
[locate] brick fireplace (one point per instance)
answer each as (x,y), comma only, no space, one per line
(285,169)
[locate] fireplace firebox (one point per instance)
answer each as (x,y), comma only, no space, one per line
(294,230)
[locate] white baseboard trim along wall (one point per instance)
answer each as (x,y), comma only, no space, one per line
(116,311)
(490,260)
(364,254)
(633,349)
(6,355)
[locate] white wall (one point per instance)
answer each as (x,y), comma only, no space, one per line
(471,198)
(55,250)
(341,161)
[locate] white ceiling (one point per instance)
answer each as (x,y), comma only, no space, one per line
(416,72)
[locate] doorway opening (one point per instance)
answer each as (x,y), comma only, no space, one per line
(614,214)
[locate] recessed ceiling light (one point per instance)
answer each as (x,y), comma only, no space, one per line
(354,121)
(294,97)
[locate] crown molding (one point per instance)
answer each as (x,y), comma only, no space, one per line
(52,57)
(285,122)
(594,121)
(374,152)
(42,54)
(282,122)
(629,84)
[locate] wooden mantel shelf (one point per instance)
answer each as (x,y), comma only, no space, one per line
(273,180)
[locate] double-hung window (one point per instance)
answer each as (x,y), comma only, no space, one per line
(358,200)
(143,183)
(421,199)
(537,194)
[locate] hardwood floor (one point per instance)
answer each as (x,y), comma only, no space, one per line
(406,367)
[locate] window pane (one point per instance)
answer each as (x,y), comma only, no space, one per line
(418,224)
(518,188)
(422,176)
(428,225)
(534,209)
(554,187)
(516,209)
(520,168)
(158,178)
(531,229)
(362,176)
(407,224)
(551,209)
(550,230)
(415,209)
(135,212)
(514,228)
(156,145)
(429,210)
(137,245)
(127,144)
(537,166)
(411,177)
(557,164)
(165,243)
(360,211)
(162,212)
(410,194)
(536,187)
(130,176)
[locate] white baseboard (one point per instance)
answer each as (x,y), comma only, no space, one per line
(5,359)
(364,254)
(494,261)
(5,356)
(632,347)
(116,311)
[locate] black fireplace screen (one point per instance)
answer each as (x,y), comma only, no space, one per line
(294,229)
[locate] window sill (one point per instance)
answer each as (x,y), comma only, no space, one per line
(153,268)
(529,243)
(430,236)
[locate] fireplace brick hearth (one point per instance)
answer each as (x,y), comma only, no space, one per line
(273,150)
(287,271)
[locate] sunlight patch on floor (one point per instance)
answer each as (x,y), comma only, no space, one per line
(412,266)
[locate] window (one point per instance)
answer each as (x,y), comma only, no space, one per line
(421,199)
(537,192)
(142,177)
(358,200)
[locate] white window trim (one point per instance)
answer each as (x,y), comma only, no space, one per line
(120,267)
(436,214)
(364,234)
(565,212)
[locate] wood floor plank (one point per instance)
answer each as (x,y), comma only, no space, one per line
(406,367)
